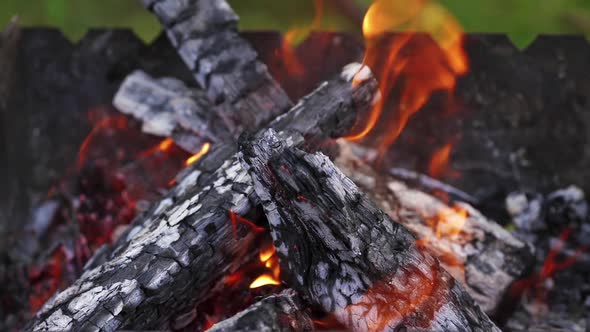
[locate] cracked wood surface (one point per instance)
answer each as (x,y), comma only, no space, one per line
(479,253)
(283,312)
(184,246)
(347,256)
(167,107)
(204,32)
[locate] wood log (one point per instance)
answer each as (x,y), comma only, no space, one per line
(172,262)
(476,251)
(344,254)
(224,64)
(167,107)
(282,312)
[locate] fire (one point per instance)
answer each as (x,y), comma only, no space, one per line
(415,67)
(292,36)
(439,163)
(235,219)
(450,221)
(268,257)
(198,155)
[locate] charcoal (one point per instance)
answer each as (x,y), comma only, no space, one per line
(477,251)
(185,246)
(283,312)
(344,254)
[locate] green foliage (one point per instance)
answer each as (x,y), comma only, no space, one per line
(522,19)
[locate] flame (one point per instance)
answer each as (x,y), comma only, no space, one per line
(264,280)
(428,67)
(293,36)
(450,221)
(198,155)
(270,260)
(439,163)
(109,123)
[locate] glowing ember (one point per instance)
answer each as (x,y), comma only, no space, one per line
(235,219)
(198,155)
(535,286)
(431,65)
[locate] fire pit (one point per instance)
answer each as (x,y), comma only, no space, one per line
(217,180)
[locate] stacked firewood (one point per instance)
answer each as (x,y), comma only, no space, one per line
(352,243)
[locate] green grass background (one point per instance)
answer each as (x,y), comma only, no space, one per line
(521,19)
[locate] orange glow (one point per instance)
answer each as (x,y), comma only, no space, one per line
(235,219)
(551,266)
(117,122)
(198,155)
(270,260)
(264,280)
(439,163)
(292,36)
(414,67)
(450,221)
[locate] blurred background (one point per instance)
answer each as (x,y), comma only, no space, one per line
(521,19)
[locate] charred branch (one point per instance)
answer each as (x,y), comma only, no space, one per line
(224,64)
(347,256)
(283,312)
(476,251)
(167,107)
(181,250)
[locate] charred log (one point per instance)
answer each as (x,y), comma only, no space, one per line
(347,256)
(224,64)
(167,107)
(281,312)
(476,251)
(186,246)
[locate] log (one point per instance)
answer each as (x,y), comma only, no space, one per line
(173,261)
(224,64)
(476,251)
(167,107)
(344,254)
(282,312)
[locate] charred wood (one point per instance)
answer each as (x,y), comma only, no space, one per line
(173,260)
(167,107)
(476,251)
(283,312)
(224,64)
(347,256)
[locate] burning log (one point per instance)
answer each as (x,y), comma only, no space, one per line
(347,256)
(173,260)
(476,251)
(168,108)
(224,65)
(281,312)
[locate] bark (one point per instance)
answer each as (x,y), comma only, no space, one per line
(224,65)
(283,312)
(476,251)
(344,254)
(167,107)
(185,246)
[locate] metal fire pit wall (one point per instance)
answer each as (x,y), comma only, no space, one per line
(522,116)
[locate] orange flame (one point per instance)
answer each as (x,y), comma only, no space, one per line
(198,155)
(450,221)
(439,163)
(116,122)
(292,36)
(270,260)
(429,66)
